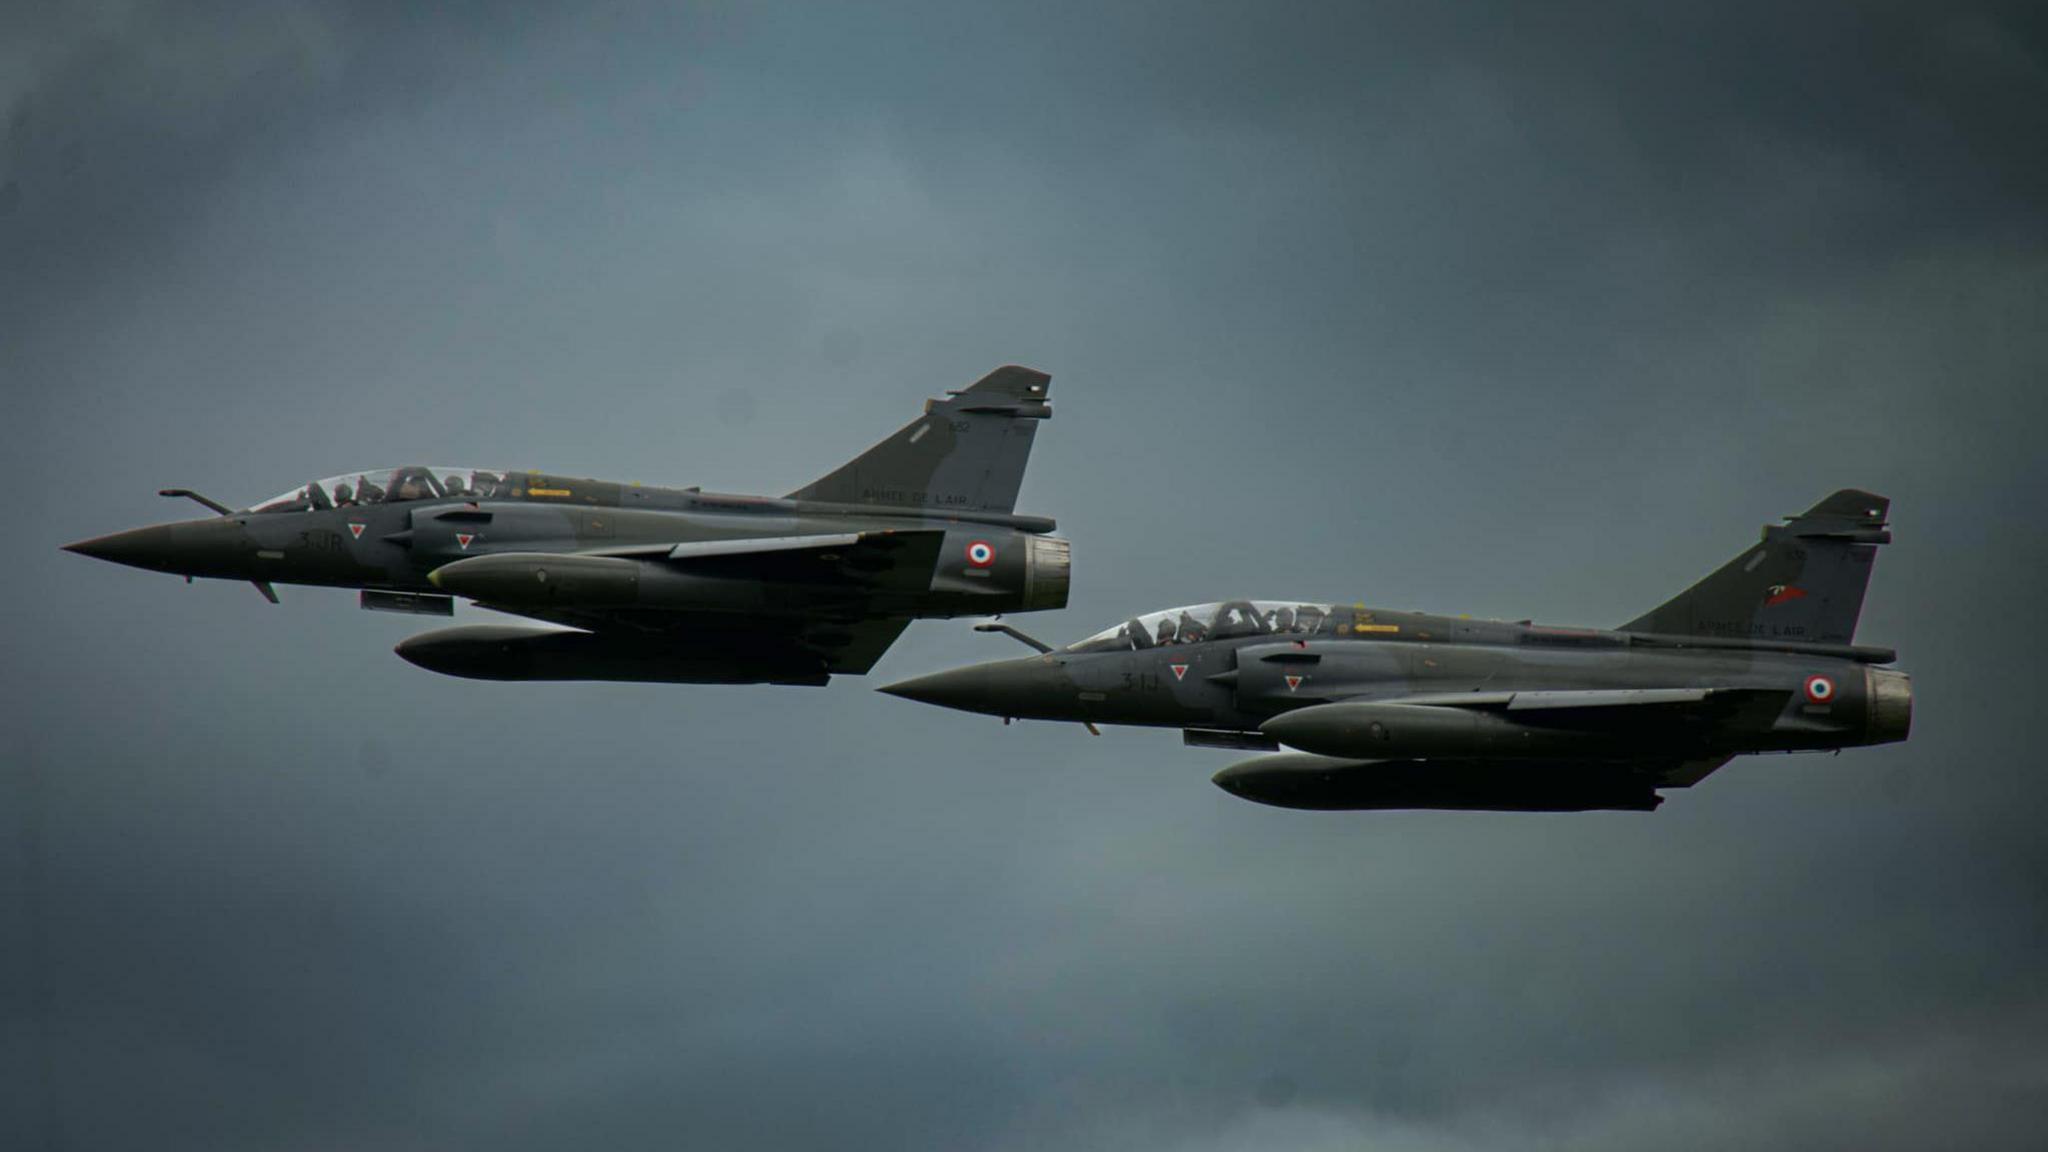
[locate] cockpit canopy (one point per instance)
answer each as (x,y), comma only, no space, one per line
(1217,621)
(396,485)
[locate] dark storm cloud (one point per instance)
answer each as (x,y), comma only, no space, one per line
(1505,309)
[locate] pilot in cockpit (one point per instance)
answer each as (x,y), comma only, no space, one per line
(411,484)
(1237,618)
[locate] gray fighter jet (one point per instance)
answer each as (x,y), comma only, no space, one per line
(1407,710)
(663,584)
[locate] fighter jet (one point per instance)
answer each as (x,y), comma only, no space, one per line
(1384,709)
(662,584)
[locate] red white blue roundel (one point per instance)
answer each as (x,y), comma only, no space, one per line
(981,554)
(1819,689)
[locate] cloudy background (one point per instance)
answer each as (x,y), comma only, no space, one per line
(1507,309)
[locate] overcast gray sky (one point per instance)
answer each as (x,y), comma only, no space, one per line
(1508,309)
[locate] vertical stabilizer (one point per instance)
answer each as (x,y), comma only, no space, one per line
(1805,581)
(966,453)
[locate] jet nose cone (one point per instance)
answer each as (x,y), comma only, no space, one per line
(190,548)
(1035,688)
(962,688)
(138,548)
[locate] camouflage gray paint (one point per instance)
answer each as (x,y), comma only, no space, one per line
(1400,709)
(970,454)
(664,584)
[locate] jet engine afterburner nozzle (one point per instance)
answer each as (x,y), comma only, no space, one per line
(1891,705)
(1048,572)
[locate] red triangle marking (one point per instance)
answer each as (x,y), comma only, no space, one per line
(1293,682)
(1180,671)
(356,530)
(462,540)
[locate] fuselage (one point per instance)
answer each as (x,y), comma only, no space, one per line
(390,530)
(1800,697)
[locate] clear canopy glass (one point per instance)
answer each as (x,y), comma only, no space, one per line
(392,486)
(1216,621)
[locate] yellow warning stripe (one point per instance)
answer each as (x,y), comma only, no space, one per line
(547,492)
(1375,627)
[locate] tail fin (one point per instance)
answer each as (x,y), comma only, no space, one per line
(967,452)
(1804,582)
